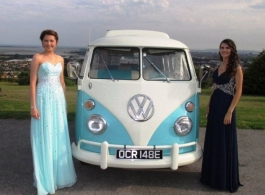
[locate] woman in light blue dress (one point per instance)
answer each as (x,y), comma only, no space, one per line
(52,157)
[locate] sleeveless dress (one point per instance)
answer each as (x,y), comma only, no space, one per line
(52,157)
(220,158)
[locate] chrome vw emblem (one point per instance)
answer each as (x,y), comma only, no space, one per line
(140,107)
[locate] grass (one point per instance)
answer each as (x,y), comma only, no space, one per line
(249,111)
(14,103)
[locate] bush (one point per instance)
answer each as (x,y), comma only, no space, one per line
(24,81)
(254,76)
(24,78)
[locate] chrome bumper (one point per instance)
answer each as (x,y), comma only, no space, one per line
(105,160)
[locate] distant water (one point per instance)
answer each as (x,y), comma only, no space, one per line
(66,51)
(31,50)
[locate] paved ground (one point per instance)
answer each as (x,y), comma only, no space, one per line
(16,169)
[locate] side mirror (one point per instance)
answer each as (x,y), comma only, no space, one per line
(73,69)
(204,72)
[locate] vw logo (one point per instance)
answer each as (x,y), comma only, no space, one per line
(140,107)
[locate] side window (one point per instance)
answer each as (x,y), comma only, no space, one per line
(194,71)
(83,67)
(115,63)
(159,64)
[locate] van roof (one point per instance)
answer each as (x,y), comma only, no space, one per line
(137,38)
(111,33)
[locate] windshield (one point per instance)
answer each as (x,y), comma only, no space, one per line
(165,64)
(115,63)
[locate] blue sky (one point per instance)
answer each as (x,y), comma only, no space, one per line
(200,24)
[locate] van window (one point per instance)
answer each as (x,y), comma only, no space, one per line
(159,64)
(83,67)
(115,63)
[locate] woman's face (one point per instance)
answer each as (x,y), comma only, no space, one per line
(225,50)
(49,43)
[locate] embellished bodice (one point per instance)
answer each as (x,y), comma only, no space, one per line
(224,83)
(49,74)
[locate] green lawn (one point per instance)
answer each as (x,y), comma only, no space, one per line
(14,103)
(250,111)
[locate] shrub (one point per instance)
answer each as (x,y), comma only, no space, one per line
(254,76)
(24,78)
(24,81)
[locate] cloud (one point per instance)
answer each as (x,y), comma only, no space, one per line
(258,5)
(133,8)
(184,20)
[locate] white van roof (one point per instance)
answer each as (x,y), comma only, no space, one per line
(111,33)
(137,38)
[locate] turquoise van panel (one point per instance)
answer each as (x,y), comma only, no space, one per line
(78,115)
(165,134)
(114,134)
(117,134)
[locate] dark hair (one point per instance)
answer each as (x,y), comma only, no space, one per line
(233,59)
(49,32)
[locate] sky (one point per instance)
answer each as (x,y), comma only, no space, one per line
(200,24)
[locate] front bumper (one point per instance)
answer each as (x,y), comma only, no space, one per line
(105,160)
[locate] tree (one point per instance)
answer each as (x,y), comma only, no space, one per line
(254,76)
(23,78)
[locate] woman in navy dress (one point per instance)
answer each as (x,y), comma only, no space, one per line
(220,158)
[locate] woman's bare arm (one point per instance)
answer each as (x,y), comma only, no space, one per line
(33,81)
(237,95)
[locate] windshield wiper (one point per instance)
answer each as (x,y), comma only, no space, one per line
(157,69)
(145,56)
(106,66)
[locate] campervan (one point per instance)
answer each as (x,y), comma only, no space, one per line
(137,102)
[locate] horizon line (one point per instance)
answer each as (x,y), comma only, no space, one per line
(39,46)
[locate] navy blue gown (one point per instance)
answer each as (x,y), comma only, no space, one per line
(220,157)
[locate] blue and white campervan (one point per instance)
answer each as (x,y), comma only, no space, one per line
(137,103)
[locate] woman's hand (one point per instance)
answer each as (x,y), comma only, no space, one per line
(34,113)
(207,111)
(228,118)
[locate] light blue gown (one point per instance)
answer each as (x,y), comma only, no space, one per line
(52,157)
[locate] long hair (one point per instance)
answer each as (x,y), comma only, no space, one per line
(233,58)
(49,32)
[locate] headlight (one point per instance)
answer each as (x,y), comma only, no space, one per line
(183,126)
(96,124)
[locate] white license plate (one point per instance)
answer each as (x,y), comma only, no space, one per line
(139,154)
